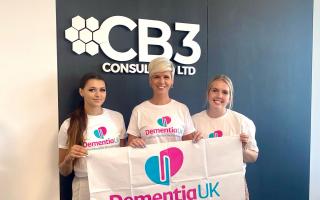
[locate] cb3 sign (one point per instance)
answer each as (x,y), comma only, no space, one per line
(87,36)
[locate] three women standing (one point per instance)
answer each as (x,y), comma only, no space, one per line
(157,120)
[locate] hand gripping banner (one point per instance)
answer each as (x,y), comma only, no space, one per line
(209,169)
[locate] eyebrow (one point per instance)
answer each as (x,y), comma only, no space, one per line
(97,87)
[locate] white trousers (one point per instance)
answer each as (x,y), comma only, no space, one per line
(246,190)
(80,188)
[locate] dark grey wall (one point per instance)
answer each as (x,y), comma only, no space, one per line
(263,45)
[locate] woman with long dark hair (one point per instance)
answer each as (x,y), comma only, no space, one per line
(87,128)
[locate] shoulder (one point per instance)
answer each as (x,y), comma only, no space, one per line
(242,118)
(141,105)
(112,114)
(199,115)
(65,124)
(63,131)
(178,104)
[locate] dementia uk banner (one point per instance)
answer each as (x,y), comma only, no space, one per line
(210,169)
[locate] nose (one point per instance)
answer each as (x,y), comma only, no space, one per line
(97,94)
(219,94)
(161,80)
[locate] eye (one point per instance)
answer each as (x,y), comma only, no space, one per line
(92,90)
(225,92)
(103,90)
(214,90)
(155,76)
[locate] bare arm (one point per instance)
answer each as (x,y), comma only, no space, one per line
(187,137)
(66,158)
(65,163)
(249,156)
(122,142)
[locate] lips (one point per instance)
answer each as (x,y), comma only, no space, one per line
(97,100)
(217,101)
(161,88)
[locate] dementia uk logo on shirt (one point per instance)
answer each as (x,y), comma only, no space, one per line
(163,121)
(98,138)
(215,134)
(100,132)
(164,128)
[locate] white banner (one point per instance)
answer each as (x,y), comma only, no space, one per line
(209,169)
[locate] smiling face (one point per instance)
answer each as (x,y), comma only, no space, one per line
(219,95)
(161,82)
(93,93)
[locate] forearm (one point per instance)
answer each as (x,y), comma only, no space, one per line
(65,162)
(249,156)
(122,142)
(66,167)
(187,137)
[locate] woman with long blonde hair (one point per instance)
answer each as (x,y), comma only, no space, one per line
(219,120)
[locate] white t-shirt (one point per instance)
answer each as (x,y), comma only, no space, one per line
(102,131)
(231,123)
(160,123)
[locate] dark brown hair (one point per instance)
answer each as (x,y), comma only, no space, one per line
(78,118)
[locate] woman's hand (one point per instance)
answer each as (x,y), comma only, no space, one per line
(136,142)
(249,156)
(244,138)
(76,151)
(195,137)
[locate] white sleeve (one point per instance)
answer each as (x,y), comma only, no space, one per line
(123,134)
(249,128)
(195,121)
(63,135)
(133,128)
(189,127)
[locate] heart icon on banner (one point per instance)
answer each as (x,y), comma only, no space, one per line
(160,168)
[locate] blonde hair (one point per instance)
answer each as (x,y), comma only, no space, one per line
(161,64)
(228,81)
